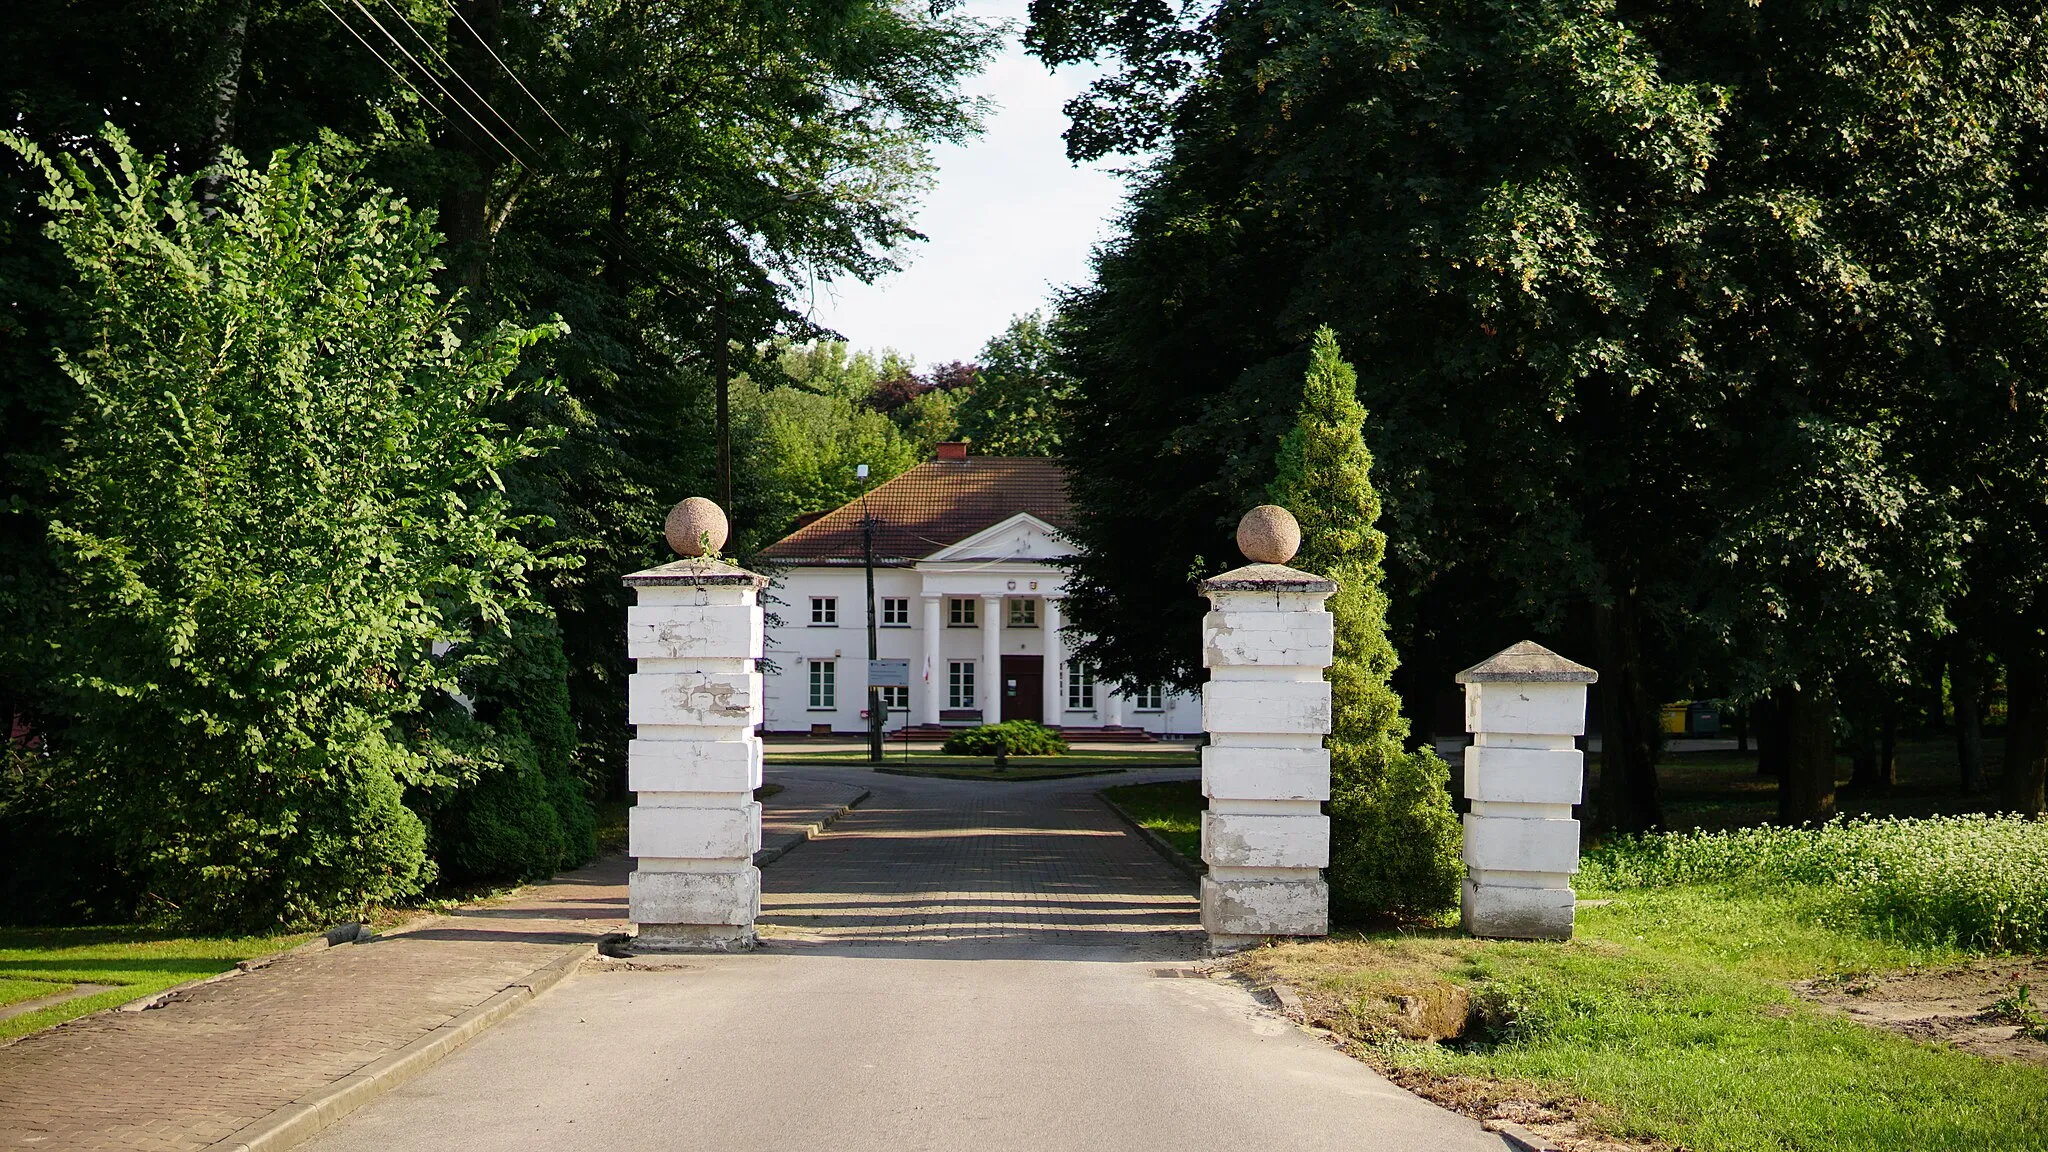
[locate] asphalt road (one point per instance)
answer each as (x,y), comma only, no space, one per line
(991,1034)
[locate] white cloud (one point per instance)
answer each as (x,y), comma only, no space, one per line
(1009,221)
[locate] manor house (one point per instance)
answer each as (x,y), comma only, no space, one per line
(967,592)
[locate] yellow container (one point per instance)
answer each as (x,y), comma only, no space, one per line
(1672,719)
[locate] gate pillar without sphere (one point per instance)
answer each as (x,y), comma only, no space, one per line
(1525,707)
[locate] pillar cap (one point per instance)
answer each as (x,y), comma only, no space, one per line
(1268,578)
(695,572)
(1527,663)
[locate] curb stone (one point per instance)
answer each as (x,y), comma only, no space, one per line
(300,1120)
(806,832)
(1189,868)
(1518,1137)
(334,937)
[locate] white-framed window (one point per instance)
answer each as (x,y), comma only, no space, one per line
(895,697)
(960,684)
(1150,698)
(1080,687)
(824,688)
(895,612)
(960,612)
(824,611)
(1023,613)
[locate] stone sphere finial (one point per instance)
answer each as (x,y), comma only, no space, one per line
(1268,534)
(696,527)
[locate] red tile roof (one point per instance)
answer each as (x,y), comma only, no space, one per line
(936,504)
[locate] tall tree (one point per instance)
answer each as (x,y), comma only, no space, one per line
(1394,841)
(1012,408)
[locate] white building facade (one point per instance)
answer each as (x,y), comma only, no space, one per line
(967,593)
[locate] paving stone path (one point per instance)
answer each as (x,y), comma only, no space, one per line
(224,1055)
(927,861)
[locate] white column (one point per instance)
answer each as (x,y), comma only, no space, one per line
(1523,773)
(988,678)
(1055,675)
(932,673)
(1112,703)
(1265,771)
(694,699)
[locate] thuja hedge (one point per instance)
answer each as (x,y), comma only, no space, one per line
(1980,882)
(1009,738)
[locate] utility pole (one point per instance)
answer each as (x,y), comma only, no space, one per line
(877,715)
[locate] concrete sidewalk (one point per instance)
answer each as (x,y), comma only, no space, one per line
(218,1064)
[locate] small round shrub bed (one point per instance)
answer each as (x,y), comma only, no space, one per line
(1010,738)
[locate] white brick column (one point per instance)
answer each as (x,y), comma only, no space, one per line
(1265,771)
(1055,676)
(695,700)
(1523,772)
(988,687)
(933,672)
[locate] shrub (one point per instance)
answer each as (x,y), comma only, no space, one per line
(502,798)
(280,491)
(1979,882)
(1010,738)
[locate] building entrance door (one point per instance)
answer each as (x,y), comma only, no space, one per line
(1023,688)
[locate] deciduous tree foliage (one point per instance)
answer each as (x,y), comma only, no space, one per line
(1012,408)
(279,492)
(669,178)
(1697,339)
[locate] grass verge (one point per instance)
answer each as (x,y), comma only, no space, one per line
(1173,809)
(1668,1020)
(45,961)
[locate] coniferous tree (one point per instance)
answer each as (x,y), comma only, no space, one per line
(1394,841)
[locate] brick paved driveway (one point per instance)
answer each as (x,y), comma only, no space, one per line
(927,861)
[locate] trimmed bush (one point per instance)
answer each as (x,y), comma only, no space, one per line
(1976,881)
(1010,738)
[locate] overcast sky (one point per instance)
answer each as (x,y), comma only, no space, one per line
(1009,220)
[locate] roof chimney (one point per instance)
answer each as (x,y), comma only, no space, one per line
(953,450)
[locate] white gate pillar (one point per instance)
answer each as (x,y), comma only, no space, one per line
(1266,641)
(1525,706)
(695,701)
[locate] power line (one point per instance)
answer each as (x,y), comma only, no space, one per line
(455,72)
(396,71)
(457,12)
(407,53)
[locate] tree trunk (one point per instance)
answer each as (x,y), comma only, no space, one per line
(1738,718)
(1888,752)
(1966,690)
(2026,735)
(465,218)
(615,267)
(1806,793)
(227,90)
(1772,740)
(1629,799)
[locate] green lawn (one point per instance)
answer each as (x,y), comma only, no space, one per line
(1671,1015)
(1172,809)
(43,961)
